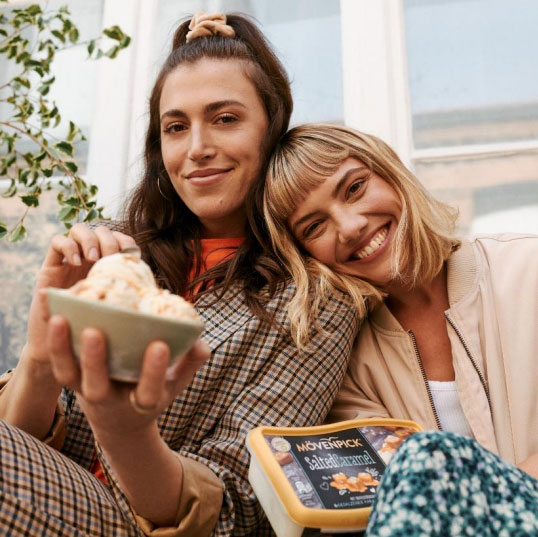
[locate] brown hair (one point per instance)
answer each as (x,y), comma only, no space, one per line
(304,158)
(168,232)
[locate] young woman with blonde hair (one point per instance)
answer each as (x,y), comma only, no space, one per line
(449,335)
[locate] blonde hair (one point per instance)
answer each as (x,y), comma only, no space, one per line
(304,158)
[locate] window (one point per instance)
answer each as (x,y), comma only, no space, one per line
(452,85)
(305,35)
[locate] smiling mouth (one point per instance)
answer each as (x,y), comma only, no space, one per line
(377,241)
(207,174)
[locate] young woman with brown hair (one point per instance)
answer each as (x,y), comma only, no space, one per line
(172,446)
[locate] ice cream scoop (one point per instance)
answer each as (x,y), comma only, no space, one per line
(124,280)
(120,297)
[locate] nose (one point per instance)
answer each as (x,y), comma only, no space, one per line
(201,146)
(349,226)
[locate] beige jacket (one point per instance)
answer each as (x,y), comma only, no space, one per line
(492,324)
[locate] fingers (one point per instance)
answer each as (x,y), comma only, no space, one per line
(95,384)
(63,248)
(44,304)
(63,363)
(123,240)
(85,244)
(152,376)
(90,378)
(184,370)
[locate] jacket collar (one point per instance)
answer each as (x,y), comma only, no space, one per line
(462,275)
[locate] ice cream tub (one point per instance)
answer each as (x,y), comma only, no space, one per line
(120,297)
(322,480)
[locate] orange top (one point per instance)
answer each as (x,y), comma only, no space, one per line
(214,251)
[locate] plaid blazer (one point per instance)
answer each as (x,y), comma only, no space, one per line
(255,376)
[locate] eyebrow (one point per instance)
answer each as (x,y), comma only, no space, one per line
(209,109)
(341,182)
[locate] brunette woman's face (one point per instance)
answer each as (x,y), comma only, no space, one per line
(348,222)
(212,126)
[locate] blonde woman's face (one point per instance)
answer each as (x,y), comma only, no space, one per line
(348,222)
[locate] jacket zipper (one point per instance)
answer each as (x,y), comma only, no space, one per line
(421,365)
(478,372)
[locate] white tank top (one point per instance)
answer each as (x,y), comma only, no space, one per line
(448,407)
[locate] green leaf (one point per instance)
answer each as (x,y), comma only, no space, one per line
(59,35)
(22,57)
(72,201)
(23,175)
(73,35)
(34,10)
(18,234)
(114,32)
(31,200)
(40,156)
(32,63)
(92,215)
(73,131)
(71,166)
(112,52)
(11,190)
(22,81)
(64,147)
(67,213)
(91,47)
(3,230)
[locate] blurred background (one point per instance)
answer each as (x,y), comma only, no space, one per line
(452,85)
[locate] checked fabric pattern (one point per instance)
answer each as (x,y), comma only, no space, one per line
(43,493)
(256,376)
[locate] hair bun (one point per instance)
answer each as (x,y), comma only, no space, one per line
(203,24)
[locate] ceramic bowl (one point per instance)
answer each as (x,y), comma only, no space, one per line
(128,332)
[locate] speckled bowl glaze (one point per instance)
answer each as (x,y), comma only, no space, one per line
(128,331)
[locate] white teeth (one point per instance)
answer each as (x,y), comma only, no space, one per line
(374,244)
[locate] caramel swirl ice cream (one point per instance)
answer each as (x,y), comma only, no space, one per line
(124,280)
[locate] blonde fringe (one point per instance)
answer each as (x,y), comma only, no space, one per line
(424,237)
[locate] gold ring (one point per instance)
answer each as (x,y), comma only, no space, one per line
(143,410)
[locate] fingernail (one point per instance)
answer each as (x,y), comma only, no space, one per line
(93,254)
(91,338)
(76,260)
(161,354)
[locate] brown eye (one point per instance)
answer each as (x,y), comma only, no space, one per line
(355,187)
(311,229)
(226,118)
(174,127)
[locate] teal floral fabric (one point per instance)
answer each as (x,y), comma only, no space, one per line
(441,484)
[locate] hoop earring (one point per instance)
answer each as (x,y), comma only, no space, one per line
(159,188)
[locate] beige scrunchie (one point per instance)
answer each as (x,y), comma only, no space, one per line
(209,24)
